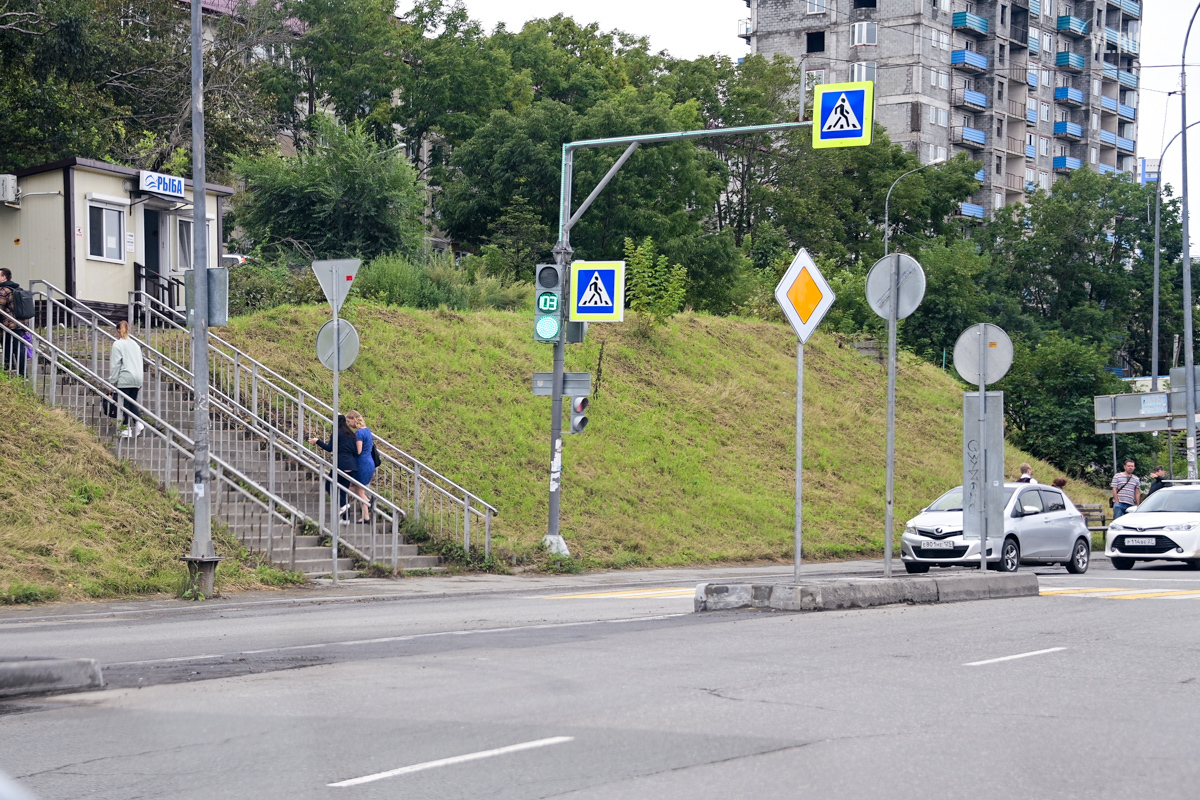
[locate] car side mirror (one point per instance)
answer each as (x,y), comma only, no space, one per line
(1131,509)
(1027,511)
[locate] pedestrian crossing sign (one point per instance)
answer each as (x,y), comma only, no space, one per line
(845,114)
(597,291)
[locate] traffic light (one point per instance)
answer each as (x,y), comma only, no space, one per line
(548,304)
(579,418)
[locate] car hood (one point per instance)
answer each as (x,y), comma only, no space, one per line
(1156,519)
(932,520)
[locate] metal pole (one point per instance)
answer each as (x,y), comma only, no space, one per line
(983,454)
(202,559)
(335,510)
(1188,309)
(799,451)
(1157,235)
(554,541)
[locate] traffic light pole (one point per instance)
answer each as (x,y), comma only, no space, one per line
(553,540)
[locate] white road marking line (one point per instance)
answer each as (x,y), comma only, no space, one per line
(627,594)
(388,639)
(1010,658)
(445,762)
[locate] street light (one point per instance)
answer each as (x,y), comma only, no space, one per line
(1189,360)
(893,315)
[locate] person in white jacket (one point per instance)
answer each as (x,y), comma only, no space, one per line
(126,373)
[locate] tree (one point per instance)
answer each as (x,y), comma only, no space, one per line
(343,194)
(655,288)
(518,241)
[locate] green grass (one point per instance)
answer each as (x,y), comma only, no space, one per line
(77,524)
(689,457)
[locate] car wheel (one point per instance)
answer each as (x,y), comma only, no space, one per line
(1081,555)
(1121,563)
(916,569)
(1193,563)
(1010,556)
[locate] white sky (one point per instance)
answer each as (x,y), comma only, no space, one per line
(690,28)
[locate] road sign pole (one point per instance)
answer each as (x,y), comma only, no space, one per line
(335,511)
(799,452)
(983,495)
(554,541)
(890,503)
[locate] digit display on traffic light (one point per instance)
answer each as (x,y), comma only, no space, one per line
(547,324)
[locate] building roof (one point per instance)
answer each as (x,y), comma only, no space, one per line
(115,169)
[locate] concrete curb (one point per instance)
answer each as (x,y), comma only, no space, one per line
(41,675)
(863,593)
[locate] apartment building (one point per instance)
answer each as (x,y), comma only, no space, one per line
(1031,89)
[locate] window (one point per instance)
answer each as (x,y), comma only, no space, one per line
(1030,140)
(999,165)
(1095,155)
(999,200)
(1045,77)
(969,44)
(864,3)
(1030,175)
(816,6)
(1095,121)
(999,90)
(932,153)
(933,78)
(1031,105)
(943,117)
(814,77)
(1052,500)
(106,232)
(1045,112)
(941,154)
(862,71)
(1044,180)
(1096,86)
(1003,15)
(864,33)
(1047,39)
(1001,53)
(1044,146)
(185,242)
(932,115)
(944,80)
(815,41)
(1060,151)
(945,39)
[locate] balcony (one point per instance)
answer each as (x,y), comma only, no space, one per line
(981,176)
(1109,71)
(967,22)
(1132,8)
(1127,112)
(1017,109)
(1072,26)
(1109,104)
(1031,116)
(971,210)
(1030,151)
(970,61)
(1031,78)
(1109,138)
(1107,169)
(745,29)
(1019,35)
(968,137)
(1066,164)
(966,98)
(1126,145)
(1014,146)
(1068,130)
(1127,78)
(1014,183)
(1126,44)
(1068,96)
(1035,8)
(1071,62)
(1035,46)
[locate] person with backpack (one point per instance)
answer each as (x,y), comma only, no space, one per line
(17,306)
(345,460)
(368,460)
(126,372)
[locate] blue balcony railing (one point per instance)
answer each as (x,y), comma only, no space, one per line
(971,99)
(1066,163)
(1031,116)
(1069,61)
(971,210)
(1031,77)
(981,176)
(1107,169)
(1109,138)
(1109,104)
(970,23)
(1128,112)
(1068,130)
(1131,7)
(1110,71)
(1035,8)
(1068,95)
(1128,78)
(1126,145)
(1073,26)
(970,61)
(968,136)
(1126,44)
(1030,151)
(1035,46)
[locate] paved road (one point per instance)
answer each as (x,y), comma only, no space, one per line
(608,687)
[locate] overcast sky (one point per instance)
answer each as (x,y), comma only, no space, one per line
(690,28)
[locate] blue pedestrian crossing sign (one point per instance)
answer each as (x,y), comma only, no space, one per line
(597,291)
(844,114)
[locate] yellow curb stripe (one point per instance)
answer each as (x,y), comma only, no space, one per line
(1147,595)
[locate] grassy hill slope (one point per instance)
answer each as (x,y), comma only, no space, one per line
(690,454)
(76,523)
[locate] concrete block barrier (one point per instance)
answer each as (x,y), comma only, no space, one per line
(42,675)
(830,595)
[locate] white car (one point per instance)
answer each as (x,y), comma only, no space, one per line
(1166,527)
(1041,526)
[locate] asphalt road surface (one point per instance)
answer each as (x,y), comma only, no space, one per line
(609,687)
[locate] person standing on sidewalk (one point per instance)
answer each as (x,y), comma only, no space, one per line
(1127,490)
(126,372)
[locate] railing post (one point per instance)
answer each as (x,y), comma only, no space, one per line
(271,493)
(237,377)
(395,541)
(487,534)
(254,390)
(52,390)
(416,493)
(467,526)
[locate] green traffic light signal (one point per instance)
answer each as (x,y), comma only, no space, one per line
(548,320)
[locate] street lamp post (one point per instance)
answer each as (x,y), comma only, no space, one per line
(1188,312)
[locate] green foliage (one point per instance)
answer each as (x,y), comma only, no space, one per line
(436,282)
(262,283)
(20,593)
(655,290)
(517,243)
(343,195)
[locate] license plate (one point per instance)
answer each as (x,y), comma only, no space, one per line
(1140,541)
(931,545)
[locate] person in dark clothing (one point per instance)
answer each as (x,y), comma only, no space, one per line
(347,459)
(14,344)
(1158,482)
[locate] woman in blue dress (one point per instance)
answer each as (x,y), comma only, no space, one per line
(366,461)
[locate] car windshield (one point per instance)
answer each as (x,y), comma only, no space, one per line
(953,499)
(1173,500)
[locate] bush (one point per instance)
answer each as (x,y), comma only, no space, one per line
(258,286)
(437,281)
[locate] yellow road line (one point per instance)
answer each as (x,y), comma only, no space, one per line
(1083,591)
(1146,595)
(671,591)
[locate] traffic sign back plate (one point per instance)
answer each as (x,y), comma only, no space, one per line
(335,277)
(845,114)
(597,291)
(804,295)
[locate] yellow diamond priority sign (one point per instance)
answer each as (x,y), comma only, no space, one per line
(804,295)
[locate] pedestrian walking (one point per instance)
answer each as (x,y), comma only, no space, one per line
(347,459)
(1026,475)
(14,345)
(365,441)
(1158,483)
(125,371)
(1127,490)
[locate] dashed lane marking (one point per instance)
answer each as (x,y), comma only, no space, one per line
(628,594)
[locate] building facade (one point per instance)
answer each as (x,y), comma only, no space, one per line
(1031,89)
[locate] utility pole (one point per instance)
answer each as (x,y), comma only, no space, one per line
(1189,361)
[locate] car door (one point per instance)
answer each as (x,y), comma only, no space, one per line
(1031,526)
(1059,523)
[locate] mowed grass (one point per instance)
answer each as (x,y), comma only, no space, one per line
(690,454)
(76,523)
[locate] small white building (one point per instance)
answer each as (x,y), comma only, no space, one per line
(98,231)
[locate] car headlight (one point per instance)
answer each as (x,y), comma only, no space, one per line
(1183,526)
(910,530)
(1116,527)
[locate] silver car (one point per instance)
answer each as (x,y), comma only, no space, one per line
(1041,526)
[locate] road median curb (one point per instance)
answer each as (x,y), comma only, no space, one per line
(42,675)
(862,593)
